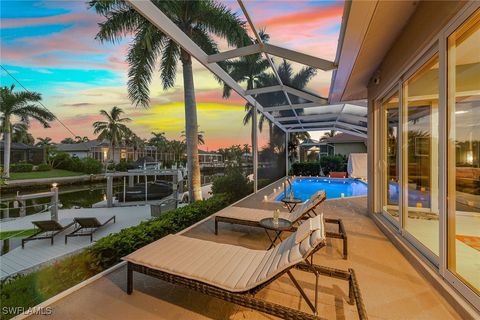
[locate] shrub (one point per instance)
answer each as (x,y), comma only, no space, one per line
(21,167)
(109,250)
(233,184)
(124,165)
(61,160)
(305,168)
(91,166)
(328,164)
(43,167)
(75,164)
(337,163)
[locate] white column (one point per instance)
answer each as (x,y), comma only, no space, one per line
(54,206)
(287,135)
(255,150)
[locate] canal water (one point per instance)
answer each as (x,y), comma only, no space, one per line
(70,196)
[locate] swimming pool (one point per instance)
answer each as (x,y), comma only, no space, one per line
(304,188)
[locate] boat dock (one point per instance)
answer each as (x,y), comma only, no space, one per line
(40,252)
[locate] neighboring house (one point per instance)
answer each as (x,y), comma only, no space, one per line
(210,159)
(341,143)
(101,151)
(344,143)
(21,152)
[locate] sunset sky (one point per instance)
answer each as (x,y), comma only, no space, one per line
(49,47)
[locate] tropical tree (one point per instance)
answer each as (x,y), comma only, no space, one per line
(294,141)
(201,137)
(23,106)
(249,70)
(114,128)
(68,141)
(198,20)
(328,134)
(79,139)
(297,80)
(20,134)
(45,144)
(158,138)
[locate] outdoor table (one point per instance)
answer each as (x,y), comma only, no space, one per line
(291,203)
(282,225)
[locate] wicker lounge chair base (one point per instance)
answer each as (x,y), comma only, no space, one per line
(340,235)
(248,300)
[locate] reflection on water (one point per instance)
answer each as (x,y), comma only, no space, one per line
(70,196)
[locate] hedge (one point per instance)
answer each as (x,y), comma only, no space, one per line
(110,249)
(21,167)
(328,164)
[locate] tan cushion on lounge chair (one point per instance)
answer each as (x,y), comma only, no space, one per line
(225,266)
(248,214)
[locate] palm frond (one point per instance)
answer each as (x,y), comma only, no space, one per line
(141,58)
(168,67)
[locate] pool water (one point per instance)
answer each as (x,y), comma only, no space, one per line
(304,188)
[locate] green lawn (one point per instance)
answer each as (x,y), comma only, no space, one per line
(54,173)
(17,233)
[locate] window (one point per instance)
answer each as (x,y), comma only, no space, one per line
(463,157)
(420,165)
(391,164)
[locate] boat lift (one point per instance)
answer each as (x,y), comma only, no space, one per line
(176,174)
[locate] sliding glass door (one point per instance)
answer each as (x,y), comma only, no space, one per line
(391,156)
(420,165)
(463,96)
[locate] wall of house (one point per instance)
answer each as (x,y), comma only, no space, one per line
(347,148)
(78,154)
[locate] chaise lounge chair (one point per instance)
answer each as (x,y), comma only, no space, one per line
(47,229)
(86,226)
(252,217)
(235,274)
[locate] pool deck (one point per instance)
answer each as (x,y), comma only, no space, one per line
(390,285)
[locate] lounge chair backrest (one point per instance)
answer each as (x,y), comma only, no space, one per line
(289,253)
(311,203)
(89,222)
(48,225)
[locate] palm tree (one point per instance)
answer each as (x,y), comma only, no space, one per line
(114,129)
(293,143)
(248,69)
(68,141)
(21,135)
(45,144)
(297,80)
(328,134)
(201,137)
(198,20)
(21,105)
(79,139)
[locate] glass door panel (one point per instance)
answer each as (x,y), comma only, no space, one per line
(464,152)
(391,160)
(421,93)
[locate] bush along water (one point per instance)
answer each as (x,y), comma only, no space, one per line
(109,250)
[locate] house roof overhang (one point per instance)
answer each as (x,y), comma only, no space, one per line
(313,113)
(369,28)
